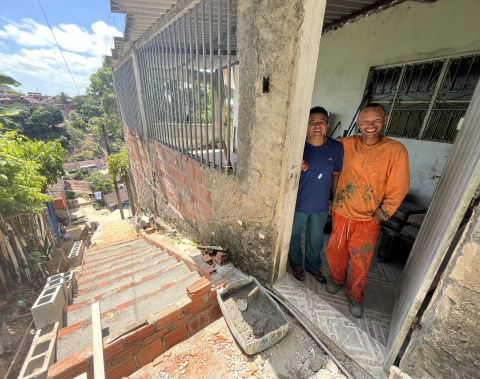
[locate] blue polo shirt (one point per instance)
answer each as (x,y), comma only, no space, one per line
(316,183)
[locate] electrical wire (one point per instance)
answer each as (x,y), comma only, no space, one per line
(61,52)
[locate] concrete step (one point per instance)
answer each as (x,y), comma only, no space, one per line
(110,300)
(124,258)
(132,274)
(96,248)
(139,304)
(100,255)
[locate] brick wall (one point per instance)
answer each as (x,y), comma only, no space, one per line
(179,190)
(165,328)
(60,203)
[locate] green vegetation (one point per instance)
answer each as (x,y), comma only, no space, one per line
(26,167)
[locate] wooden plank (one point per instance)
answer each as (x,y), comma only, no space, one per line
(98,363)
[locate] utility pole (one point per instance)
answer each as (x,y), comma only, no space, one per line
(119,201)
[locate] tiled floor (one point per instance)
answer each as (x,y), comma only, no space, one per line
(363,339)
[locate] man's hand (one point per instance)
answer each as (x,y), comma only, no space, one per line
(376,218)
(304,166)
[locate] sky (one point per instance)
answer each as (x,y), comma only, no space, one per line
(84,30)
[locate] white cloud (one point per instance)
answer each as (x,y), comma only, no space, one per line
(38,57)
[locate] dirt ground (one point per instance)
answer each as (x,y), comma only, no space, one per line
(17,318)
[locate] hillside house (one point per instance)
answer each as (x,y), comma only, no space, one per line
(214,99)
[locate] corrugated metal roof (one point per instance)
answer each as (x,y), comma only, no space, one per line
(141,15)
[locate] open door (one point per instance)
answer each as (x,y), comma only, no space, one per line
(460,179)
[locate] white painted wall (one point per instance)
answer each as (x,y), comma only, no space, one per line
(411,31)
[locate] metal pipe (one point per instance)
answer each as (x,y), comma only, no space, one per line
(182,90)
(193,79)
(219,79)
(337,362)
(197,54)
(188,113)
(229,77)
(145,71)
(212,70)
(173,92)
(205,83)
(165,75)
(160,90)
(18,350)
(178,103)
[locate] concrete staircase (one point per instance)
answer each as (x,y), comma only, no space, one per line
(131,280)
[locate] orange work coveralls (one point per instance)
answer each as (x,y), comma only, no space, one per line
(374,180)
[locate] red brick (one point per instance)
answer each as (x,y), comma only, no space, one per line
(111,349)
(139,334)
(156,336)
(183,320)
(214,313)
(168,316)
(150,352)
(199,288)
(204,195)
(126,353)
(122,369)
(198,323)
(176,336)
(69,367)
(201,309)
(212,295)
(194,304)
(190,169)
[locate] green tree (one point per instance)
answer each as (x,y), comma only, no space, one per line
(118,164)
(62,98)
(101,82)
(99,183)
(76,120)
(7,113)
(49,156)
(21,183)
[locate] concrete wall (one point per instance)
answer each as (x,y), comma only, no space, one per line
(411,31)
(448,345)
(251,212)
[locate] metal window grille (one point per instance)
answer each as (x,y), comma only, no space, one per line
(426,100)
(189,73)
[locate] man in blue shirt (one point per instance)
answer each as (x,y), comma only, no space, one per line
(323,157)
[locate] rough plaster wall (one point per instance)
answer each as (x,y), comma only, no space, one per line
(267,32)
(448,345)
(404,33)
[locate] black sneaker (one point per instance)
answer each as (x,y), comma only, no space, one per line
(356,309)
(332,287)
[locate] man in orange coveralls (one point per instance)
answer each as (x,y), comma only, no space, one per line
(374,180)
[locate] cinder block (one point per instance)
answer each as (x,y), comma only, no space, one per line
(410,232)
(71,282)
(49,307)
(59,281)
(75,257)
(41,355)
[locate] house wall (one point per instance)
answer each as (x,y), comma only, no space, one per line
(411,31)
(448,346)
(249,213)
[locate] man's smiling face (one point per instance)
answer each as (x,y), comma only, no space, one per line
(317,125)
(370,121)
